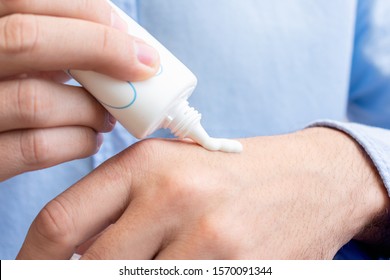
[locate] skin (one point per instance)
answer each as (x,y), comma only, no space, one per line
(301,195)
(296,196)
(36,108)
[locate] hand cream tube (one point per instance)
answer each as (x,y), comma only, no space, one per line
(160,102)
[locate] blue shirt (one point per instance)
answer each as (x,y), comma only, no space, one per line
(264,68)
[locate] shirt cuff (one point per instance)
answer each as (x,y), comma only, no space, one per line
(375,142)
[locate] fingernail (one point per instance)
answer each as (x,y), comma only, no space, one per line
(146,54)
(117,22)
(111,119)
(110,122)
(99,141)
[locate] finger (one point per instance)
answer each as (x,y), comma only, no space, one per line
(91,10)
(180,250)
(200,238)
(55,76)
(82,248)
(42,43)
(191,249)
(79,213)
(34,103)
(138,234)
(28,150)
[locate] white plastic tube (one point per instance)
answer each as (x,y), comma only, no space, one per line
(160,102)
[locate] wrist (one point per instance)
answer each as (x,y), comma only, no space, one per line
(358,193)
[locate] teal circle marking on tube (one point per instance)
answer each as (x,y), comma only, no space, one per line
(127,105)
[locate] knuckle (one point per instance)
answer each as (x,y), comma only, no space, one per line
(19,34)
(175,183)
(106,39)
(178,194)
(117,49)
(55,224)
(87,5)
(86,141)
(105,48)
(178,190)
(148,153)
(207,226)
(212,235)
(34,148)
(31,105)
(99,9)
(140,155)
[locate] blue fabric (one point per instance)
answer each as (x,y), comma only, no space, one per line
(264,68)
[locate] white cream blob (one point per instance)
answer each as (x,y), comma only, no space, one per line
(200,136)
(223,145)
